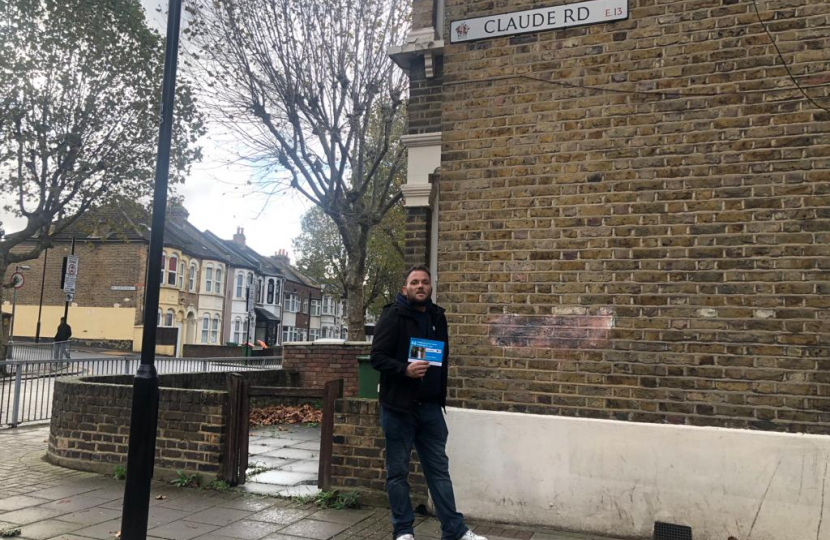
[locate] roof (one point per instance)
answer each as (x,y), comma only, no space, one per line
(265,314)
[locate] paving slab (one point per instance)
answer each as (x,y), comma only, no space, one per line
(181,530)
(219,516)
(318,530)
(248,530)
(31,515)
(74,503)
(308,445)
(91,516)
(162,516)
(249,503)
(102,531)
(61,492)
(189,503)
(303,466)
(346,517)
(280,516)
(293,453)
(19,501)
(47,529)
(284,478)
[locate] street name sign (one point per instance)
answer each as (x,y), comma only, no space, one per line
(538,20)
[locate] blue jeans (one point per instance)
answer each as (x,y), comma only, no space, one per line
(427,430)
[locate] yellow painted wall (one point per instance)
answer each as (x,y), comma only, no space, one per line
(106,323)
(138,335)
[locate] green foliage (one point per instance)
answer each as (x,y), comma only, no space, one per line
(218,485)
(332,499)
(186,480)
(9,533)
(119,472)
(322,256)
(80,85)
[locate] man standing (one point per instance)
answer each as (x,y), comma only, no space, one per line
(61,347)
(412,395)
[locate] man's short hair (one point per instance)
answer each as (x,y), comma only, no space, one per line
(415,268)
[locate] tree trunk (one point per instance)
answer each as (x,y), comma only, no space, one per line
(355,278)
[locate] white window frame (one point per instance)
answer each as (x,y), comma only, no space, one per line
(180,283)
(237,329)
(170,318)
(260,291)
(205,328)
(163,268)
(214,329)
(217,280)
(292,303)
(240,281)
(315,307)
(209,278)
(172,275)
(314,334)
(191,278)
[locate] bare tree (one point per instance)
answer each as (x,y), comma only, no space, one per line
(308,88)
(80,84)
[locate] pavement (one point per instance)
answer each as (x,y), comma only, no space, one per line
(283,460)
(46,502)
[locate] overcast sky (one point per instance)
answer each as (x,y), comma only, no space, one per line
(213,194)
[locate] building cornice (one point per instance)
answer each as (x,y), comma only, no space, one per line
(420,42)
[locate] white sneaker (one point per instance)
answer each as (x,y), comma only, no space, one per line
(405,537)
(470,535)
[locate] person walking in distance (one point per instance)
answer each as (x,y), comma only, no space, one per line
(410,350)
(61,347)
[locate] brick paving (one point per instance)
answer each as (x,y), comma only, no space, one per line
(52,503)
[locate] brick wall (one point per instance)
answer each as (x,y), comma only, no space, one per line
(416,235)
(101,265)
(422,13)
(654,248)
(91,421)
(358,453)
(424,105)
(319,363)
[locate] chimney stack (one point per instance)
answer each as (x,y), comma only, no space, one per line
(178,214)
(239,237)
(282,256)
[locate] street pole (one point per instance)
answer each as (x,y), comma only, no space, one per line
(40,304)
(66,305)
(14,307)
(144,415)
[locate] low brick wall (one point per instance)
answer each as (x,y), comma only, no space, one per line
(359,453)
(91,421)
(319,363)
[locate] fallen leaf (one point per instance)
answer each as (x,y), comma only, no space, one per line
(285,414)
(161,497)
(118,534)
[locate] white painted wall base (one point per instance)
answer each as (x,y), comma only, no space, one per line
(618,478)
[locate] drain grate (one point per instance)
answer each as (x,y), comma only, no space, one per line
(671,531)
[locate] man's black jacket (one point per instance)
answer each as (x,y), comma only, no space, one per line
(390,349)
(64,332)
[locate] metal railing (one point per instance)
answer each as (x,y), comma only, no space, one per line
(26,386)
(26,350)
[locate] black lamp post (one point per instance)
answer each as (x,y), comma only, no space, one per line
(144,416)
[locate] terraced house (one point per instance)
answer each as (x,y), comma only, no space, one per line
(626,205)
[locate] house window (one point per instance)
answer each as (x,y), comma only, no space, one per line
(328,305)
(305,307)
(292,303)
(240,279)
(205,328)
(315,308)
(191,278)
(181,275)
(214,330)
(218,281)
(250,279)
(270,291)
(237,328)
(158,318)
(291,333)
(209,279)
(314,334)
(172,267)
(168,319)
(277,288)
(260,291)
(163,264)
